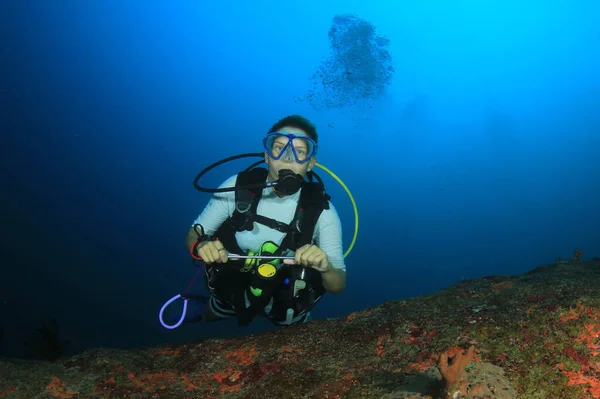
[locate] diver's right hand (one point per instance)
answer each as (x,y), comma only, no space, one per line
(212,252)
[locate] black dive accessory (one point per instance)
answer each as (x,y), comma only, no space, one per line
(293,289)
(288,182)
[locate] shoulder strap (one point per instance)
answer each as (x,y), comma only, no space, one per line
(313,200)
(246,201)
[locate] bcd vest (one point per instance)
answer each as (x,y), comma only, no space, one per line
(293,288)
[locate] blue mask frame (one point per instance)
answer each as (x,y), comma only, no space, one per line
(312,146)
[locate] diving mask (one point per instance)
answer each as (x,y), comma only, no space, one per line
(290,147)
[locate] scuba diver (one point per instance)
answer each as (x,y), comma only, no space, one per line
(269,239)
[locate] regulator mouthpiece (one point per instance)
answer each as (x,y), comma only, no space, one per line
(289,182)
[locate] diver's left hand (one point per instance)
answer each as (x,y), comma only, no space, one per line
(312,256)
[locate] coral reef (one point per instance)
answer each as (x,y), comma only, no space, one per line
(575,259)
(530,336)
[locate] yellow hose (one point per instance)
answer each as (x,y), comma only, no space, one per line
(353,206)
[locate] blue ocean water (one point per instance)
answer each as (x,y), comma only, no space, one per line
(477,155)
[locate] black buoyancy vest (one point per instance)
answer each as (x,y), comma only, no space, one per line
(313,200)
